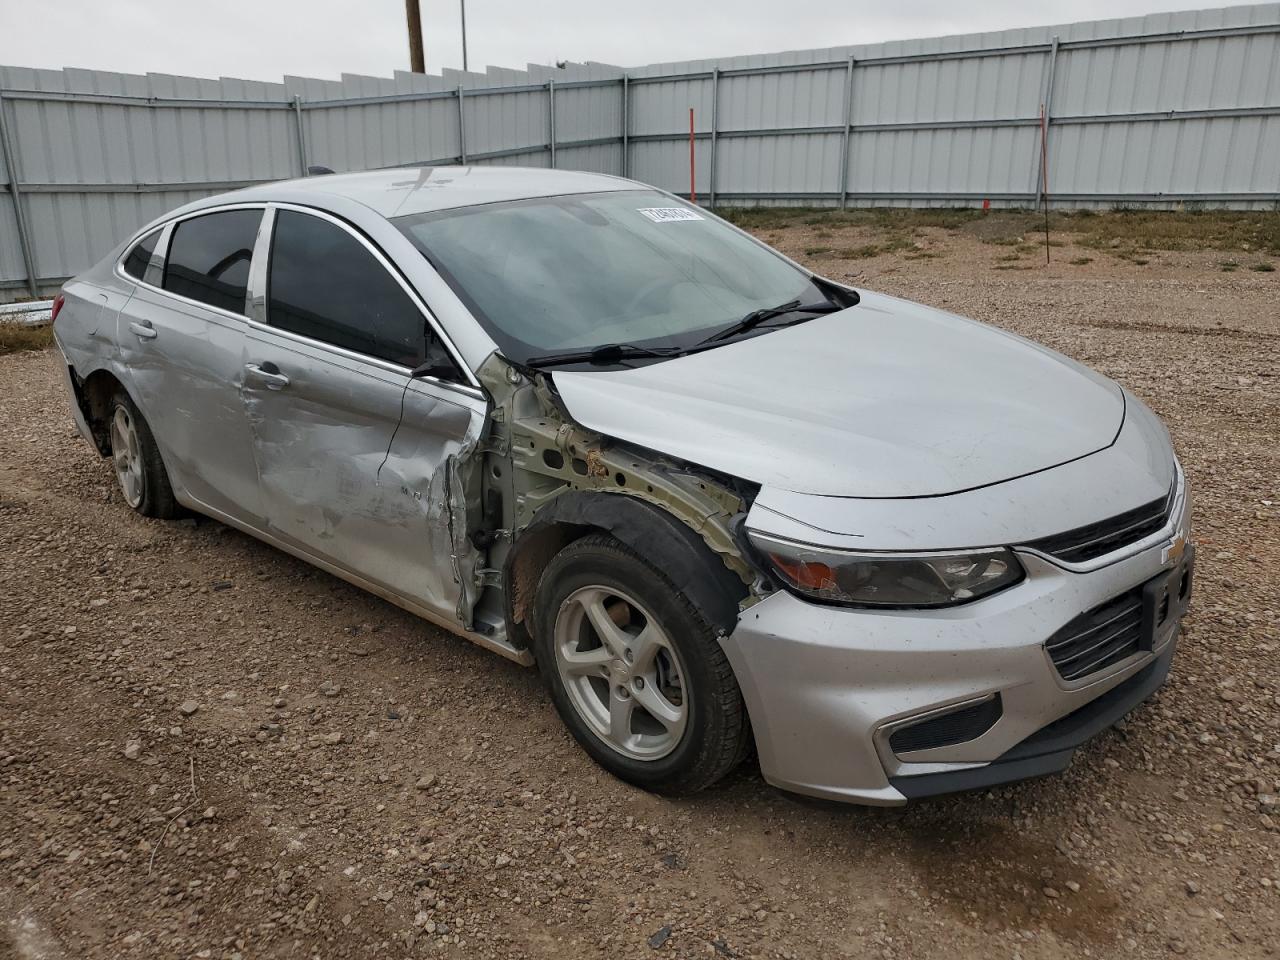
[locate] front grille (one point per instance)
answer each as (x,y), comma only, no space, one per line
(958,726)
(1097,539)
(1099,638)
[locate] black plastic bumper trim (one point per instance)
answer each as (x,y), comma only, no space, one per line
(1048,750)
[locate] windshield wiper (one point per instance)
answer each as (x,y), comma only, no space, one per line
(757,317)
(609,353)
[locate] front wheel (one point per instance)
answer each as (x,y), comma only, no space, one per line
(635,670)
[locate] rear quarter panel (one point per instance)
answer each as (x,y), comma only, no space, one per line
(86,327)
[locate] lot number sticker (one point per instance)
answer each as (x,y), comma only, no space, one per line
(669,214)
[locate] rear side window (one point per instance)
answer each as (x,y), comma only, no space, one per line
(135,264)
(323,283)
(209,258)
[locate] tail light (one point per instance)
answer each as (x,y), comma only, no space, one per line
(58,301)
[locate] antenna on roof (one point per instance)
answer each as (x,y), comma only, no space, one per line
(317,171)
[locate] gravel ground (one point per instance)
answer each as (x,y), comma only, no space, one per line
(208,749)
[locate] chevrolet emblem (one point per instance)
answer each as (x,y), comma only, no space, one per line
(1174,549)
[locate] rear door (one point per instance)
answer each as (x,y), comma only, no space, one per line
(181,339)
(356,458)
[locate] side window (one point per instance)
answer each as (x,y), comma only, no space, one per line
(324,284)
(135,264)
(209,258)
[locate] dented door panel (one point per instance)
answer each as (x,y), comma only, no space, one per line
(346,479)
(184,362)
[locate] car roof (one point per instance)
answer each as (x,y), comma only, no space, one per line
(408,190)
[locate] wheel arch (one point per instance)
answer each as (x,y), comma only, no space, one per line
(93,394)
(655,534)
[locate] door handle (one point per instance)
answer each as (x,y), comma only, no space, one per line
(275,380)
(143,329)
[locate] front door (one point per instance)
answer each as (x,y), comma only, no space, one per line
(355,457)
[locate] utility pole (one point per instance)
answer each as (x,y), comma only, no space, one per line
(417,59)
(464,35)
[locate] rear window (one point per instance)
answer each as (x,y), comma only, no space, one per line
(135,264)
(209,258)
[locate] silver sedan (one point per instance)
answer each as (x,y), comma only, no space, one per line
(719,501)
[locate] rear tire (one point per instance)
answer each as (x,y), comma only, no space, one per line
(636,671)
(143,480)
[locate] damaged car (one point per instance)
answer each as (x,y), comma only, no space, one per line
(723,504)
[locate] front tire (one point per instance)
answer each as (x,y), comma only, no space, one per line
(143,480)
(636,671)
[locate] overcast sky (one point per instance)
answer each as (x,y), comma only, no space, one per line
(266,39)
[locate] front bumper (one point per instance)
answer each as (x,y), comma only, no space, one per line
(827,686)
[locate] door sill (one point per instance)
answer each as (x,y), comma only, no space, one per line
(496,644)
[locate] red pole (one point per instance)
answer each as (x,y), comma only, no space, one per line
(693,190)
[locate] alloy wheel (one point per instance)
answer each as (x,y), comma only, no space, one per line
(126,456)
(621,671)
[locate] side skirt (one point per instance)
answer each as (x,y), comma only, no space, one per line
(496,645)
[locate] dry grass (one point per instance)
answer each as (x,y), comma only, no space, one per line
(757,219)
(893,244)
(1160,230)
(15,338)
(1129,234)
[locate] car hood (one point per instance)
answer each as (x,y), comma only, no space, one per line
(884,399)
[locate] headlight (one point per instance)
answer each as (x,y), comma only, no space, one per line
(889,579)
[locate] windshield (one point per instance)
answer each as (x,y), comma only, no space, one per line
(569,274)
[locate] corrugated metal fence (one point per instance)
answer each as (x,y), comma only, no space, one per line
(1167,109)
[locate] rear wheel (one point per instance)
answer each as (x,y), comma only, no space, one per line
(635,670)
(135,458)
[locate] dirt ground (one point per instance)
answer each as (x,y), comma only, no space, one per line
(209,749)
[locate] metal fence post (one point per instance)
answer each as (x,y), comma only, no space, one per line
(302,140)
(626,122)
(715,105)
(848,123)
(1043,153)
(15,193)
(462,130)
(551,118)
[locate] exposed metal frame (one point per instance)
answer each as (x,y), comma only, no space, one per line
(848,129)
(15,193)
(978,124)
(715,109)
(626,125)
(551,120)
(302,140)
(124,100)
(1046,98)
(462,128)
(177,186)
